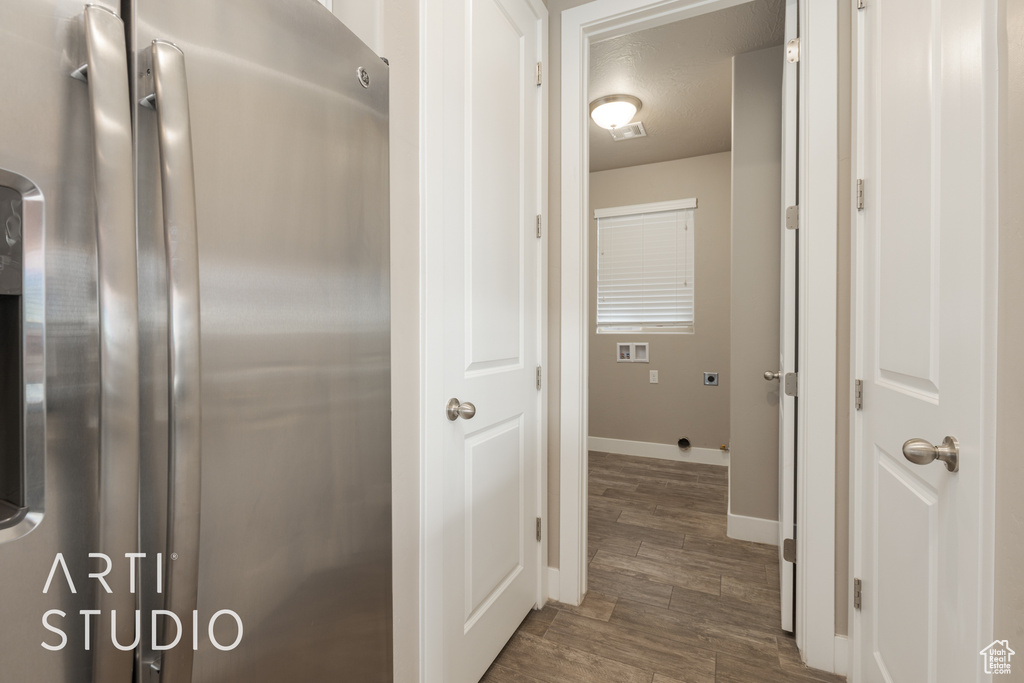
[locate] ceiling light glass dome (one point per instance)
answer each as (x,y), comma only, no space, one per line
(613,111)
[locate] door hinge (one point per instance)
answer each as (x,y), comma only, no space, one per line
(861,4)
(538,528)
(538,377)
(857,591)
(791,379)
(792,217)
(789,550)
(860,194)
(539,73)
(858,394)
(538,225)
(793,51)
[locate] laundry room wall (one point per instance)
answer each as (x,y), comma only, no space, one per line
(623,404)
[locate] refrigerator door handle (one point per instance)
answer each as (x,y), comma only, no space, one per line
(106,73)
(177,182)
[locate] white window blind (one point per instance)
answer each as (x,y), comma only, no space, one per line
(645,267)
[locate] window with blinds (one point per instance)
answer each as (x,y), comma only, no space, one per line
(645,267)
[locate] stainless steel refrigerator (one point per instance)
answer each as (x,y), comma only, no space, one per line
(195,342)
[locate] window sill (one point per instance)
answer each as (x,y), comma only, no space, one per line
(639,329)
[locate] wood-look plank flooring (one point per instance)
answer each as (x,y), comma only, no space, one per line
(671,599)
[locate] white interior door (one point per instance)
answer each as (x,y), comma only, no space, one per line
(788,325)
(492,324)
(924,124)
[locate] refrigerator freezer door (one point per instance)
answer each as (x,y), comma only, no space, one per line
(48,158)
(291,176)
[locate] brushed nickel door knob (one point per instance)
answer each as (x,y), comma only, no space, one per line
(454,410)
(921,452)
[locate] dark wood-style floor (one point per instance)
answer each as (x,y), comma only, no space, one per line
(671,599)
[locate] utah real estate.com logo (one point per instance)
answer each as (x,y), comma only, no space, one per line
(997,657)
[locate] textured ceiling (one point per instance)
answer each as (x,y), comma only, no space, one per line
(682,72)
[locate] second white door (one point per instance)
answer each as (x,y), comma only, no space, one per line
(788,327)
(492,326)
(925,75)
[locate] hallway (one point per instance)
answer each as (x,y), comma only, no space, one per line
(671,599)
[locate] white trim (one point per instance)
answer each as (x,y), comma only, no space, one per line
(543,586)
(574,326)
(788,322)
(432,307)
(755,529)
(752,529)
(650,207)
(661,451)
(553,583)
(857,252)
(842,661)
(816,409)
(816,556)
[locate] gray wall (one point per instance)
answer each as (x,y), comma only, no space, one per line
(623,402)
(1009,531)
(400,43)
(756,208)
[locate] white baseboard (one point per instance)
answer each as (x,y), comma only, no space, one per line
(752,529)
(661,451)
(553,591)
(842,663)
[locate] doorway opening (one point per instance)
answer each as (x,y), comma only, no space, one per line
(684,263)
(695,287)
(588,25)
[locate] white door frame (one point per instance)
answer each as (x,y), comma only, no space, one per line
(815,592)
(432,174)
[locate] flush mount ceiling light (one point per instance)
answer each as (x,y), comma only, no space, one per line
(613,111)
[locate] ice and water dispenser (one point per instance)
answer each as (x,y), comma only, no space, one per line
(12,476)
(22,357)
(22,364)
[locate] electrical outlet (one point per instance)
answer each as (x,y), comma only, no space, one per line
(654,376)
(711,379)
